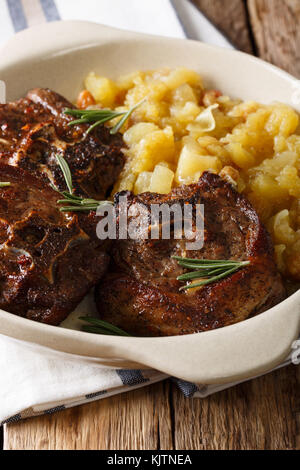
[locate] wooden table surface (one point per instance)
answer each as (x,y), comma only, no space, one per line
(262,414)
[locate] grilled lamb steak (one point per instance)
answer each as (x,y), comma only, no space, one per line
(49,260)
(141,294)
(33,130)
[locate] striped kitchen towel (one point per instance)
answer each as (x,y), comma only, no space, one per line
(36,380)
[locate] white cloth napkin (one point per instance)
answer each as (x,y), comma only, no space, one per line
(173,18)
(36,380)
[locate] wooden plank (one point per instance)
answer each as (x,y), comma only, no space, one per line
(259,415)
(230,16)
(140,419)
(276,30)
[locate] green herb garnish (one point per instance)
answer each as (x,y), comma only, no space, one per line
(4,184)
(208,270)
(75,203)
(100,327)
(96,117)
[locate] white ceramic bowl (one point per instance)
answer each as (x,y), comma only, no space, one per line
(59,56)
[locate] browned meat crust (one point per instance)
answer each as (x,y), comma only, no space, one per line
(48,260)
(142,296)
(34,129)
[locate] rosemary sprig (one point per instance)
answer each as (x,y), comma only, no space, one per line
(100,116)
(207,271)
(74,203)
(66,172)
(4,184)
(100,327)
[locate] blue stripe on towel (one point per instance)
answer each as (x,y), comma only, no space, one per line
(131,377)
(188,389)
(17,14)
(50,10)
(12,419)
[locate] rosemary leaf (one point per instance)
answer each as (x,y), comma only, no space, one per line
(78,208)
(96,330)
(122,121)
(102,121)
(78,121)
(66,172)
(205,266)
(102,327)
(97,117)
(75,203)
(68,201)
(199,274)
(207,271)
(211,280)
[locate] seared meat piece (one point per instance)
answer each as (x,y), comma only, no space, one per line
(34,129)
(142,295)
(49,260)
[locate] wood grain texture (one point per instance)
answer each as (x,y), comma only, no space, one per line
(230,16)
(140,419)
(276,30)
